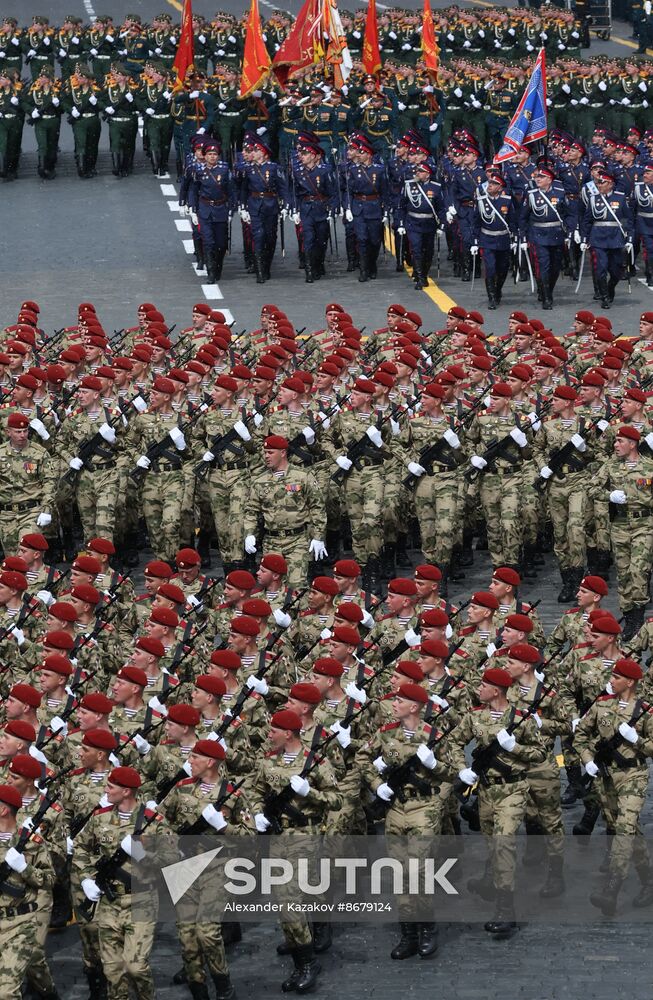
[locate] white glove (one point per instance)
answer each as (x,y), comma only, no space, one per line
(574,725)
(90,890)
(649,440)
(344,734)
(43,520)
(309,434)
(385,792)
(368,621)
(299,785)
(258,684)
(92,100)
(602,86)
(579,442)
(324,420)
(192,600)
(250,545)
(490,649)
(448,631)
(245,216)
(141,744)
(400,105)
(261,822)
(474,249)
(194,94)
(583,246)
(109,38)
(177,438)
(546,472)
(374,434)
(18,635)
(628,732)
(412,637)
(282,618)
(401,230)
(109,110)
(518,437)
(129,97)
(433,127)
(75,113)
(416,469)
(208,456)
(426,756)
(380,764)
(358,694)
(104,801)
(469,776)
(584,100)
(478,462)
(143,462)
(296,218)
(241,431)
(108,433)
(15,860)
(56,102)
(45,597)
(133,848)
(149,111)
(214,817)
(603,425)
(326,633)
(506,740)
(36,113)
(628,247)
(440,702)
(62,53)
(58,725)
(317,549)
(70,847)
(258,419)
(451,438)
(76,464)
(139,404)
(618,496)
(591,769)
(349,215)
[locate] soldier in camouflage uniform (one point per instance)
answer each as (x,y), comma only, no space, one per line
(27,484)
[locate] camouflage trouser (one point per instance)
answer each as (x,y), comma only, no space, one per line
(38,971)
(199,930)
(228,495)
(544,803)
(501,809)
(436,508)
(632,548)
(567,503)
(531,507)
(350,818)
(501,499)
(97,498)
(420,819)
(18,936)
(392,498)
(15,524)
(297,931)
(125,947)
(363,499)
(597,525)
(622,798)
(294,548)
(163,494)
(88,933)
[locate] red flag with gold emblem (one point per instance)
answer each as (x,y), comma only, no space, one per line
(430,50)
(302,47)
(256,58)
(185,53)
(371,51)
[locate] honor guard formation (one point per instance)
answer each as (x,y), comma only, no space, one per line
(285,666)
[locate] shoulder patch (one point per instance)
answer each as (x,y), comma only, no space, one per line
(388,726)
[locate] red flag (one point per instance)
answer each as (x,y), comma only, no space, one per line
(256,58)
(185,54)
(430,50)
(371,53)
(299,49)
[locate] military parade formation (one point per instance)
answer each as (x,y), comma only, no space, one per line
(285,666)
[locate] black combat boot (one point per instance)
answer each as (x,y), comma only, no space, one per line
(199,991)
(554,885)
(305,973)
(547,299)
(604,291)
(372,570)
(352,252)
(211,265)
(308,267)
(199,253)
(115,164)
(363,273)
(268,254)
(612,284)
(466,268)
(490,288)
(224,989)
(219,258)
(408,944)
(388,560)
(535,844)
(588,820)
(565,595)
(97,982)
(633,621)
(503,923)
(372,257)
(322,937)
(605,899)
(259,268)
(427,940)
(180,977)
(575,788)
(204,548)
(644,897)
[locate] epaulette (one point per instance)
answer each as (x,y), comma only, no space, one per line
(384,618)
(102,809)
(606,697)
(478,708)
(271,753)
(426,728)
(150,813)
(588,656)
(572,611)
(467,630)
(142,597)
(233,790)
(186,781)
(388,726)
(306,613)
(36,838)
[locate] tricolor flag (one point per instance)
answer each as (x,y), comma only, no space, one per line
(336,54)
(256,58)
(529,120)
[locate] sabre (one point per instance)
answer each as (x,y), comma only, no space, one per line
(282,235)
(437,259)
(580,271)
(471,287)
(530,269)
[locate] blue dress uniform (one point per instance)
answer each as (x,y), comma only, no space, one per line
(643,201)
(573,178)
(191,165)
(350,236)
(464,182)
(544,221)
(262,187)
(422,208)
(211,197)
(314,197)
(607,227)
(495,226)
(366,201)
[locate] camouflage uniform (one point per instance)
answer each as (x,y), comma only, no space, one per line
(19,922)
(27,488)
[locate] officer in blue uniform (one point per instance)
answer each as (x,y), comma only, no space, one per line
(607,229)
(211,199)
(495,228)
(313,198)
(262,192)
(643,196)
(422,208)
(192,163)
(367,202)
(351,246)
(544,223)
(574,173)
(467,176)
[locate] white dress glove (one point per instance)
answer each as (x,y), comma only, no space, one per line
(133,848)
(546,472)
(139,404)
(468,776)
(177,438)
(241,431)
(343,463)
(108,433)
(317,549)
(451,438)
(629,733)
(18,635)
(43,520)
(15,860)
(38,426)
(380,764)
(258,684)
(344,734)
(426,756)
(58,725)
(214,817)
(45,597)
(412,637)
(208,456)
(261,822)
(618,496)
(349,216)
(478,462)
(282,618)
(143,462)
(374,434)
(157,706)
(141,744)
(299,785)
(506,740)
(579,442)
(90,890)
(385,792)
(518,437)
(76,464)
(591,769)
(250,545)
(309,434)
(416,469)
(358,694)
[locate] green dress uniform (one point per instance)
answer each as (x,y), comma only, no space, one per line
(11,48)
(12,117)
(38,48)
(69,45)
(81,101)
(120,107)
(100,48)
(43,108)
(154,100)
(228,116)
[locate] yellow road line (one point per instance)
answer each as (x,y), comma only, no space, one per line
(627,43)
(434,292)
